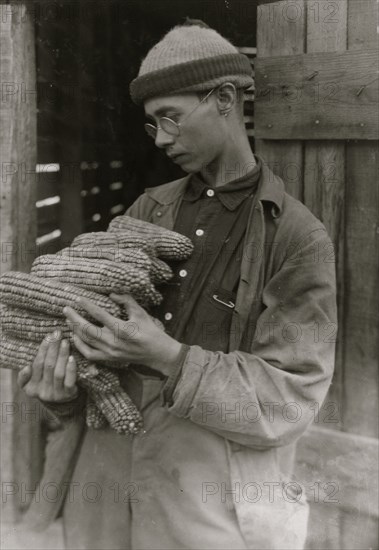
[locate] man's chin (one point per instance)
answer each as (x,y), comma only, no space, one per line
(188,166)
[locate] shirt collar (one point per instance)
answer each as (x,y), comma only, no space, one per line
(271,188)
(231,194)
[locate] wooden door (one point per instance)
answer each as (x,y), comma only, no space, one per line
(316,124)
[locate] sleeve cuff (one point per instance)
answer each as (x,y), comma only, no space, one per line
(66,409)
(171,382)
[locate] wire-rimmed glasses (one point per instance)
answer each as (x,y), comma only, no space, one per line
(170,126)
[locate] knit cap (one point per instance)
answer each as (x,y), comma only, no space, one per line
(190,58)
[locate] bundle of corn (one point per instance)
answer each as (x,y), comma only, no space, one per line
(48,296)
(32,308)
(102,276)
(95,265)
(168,244)
(103,386)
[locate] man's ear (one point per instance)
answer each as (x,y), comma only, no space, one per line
(226,97)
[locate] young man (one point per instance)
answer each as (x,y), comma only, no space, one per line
(227,387)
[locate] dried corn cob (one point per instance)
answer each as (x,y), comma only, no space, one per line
(102,276)
(169,245)
(48,296)
(103,385)
(159,270)
(133,256)
(94,417)
(119,410)
(101,239)
(23,323)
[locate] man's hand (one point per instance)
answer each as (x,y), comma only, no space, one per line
(52,376)
(139,340)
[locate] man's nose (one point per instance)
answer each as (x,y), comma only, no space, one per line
(162,139)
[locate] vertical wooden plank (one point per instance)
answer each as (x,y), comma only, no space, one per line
(281,31)
(362,281)
(324,169)
(362,269)
(324,527)
(360,413)
(18,217)
(363,20)
(359,531)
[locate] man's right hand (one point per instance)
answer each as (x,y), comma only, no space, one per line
(52,376)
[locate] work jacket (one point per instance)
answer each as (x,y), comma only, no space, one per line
(245,409)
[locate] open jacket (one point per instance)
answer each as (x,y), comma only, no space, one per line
(256,400)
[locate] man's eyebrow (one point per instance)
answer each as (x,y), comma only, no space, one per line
(161,111)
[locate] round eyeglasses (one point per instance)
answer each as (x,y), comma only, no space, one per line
(170,126)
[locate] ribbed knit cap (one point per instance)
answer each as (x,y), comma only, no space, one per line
(190,58)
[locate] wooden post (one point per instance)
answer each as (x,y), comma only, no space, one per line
(280,33)
(324,173)
(18,222)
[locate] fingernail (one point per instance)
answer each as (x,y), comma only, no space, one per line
(71,359)
(64,344)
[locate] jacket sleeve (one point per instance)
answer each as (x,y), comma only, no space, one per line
(67,409)
(267,398)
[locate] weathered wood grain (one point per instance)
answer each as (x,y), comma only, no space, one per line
(18,138)
(339,470)
(324,173)
(279,35)
(339,102)
(361,342)
(362,270)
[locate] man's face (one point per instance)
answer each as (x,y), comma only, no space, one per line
(201,138)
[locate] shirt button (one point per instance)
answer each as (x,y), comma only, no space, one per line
(168,316)
(159,214)
(210,193)
(183,273)
(199,232)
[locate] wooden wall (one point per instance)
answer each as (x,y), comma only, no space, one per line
(18,224)
(337,180)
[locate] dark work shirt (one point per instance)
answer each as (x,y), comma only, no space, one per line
(199,300)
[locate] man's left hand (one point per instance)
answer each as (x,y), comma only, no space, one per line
(137,340)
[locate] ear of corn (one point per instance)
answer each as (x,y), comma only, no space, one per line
(48,296)
(168,244)
(94,417)
(101,239)
(102,276)
(102,384)
(30,325)
(159,271)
